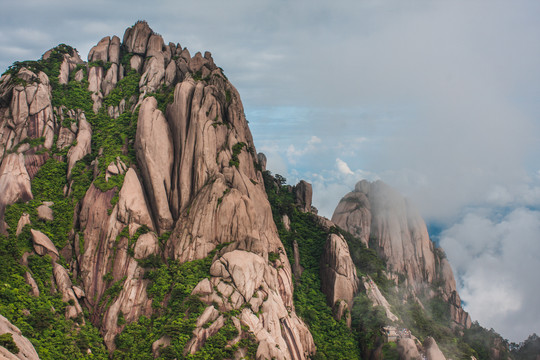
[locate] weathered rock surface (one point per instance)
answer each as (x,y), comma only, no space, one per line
(23,221)
(26,349)
(45,212)
(196,174)
(43,245)
(246,277)
(84,144)
(14,183)
(431,349)
(385,221)
(154,149)
(261,158)
(136,38)
(64,285)
(407,349)
(105,251)
(338,276)
(303,194)
(115,168)
(68,66)
(29,113)
(376,297)
(30,281)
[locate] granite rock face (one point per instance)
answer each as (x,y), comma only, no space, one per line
(338,276)
(303,193)
(14,183)
(26,349)
(386,222)
(195,180)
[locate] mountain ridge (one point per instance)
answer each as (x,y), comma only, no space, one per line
(138,218)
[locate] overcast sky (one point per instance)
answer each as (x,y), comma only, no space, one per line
(440,99)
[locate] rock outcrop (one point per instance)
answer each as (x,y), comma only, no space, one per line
(195,176)
(338,276)
(431,349)
(154,149)
(43,245)
(377,298)
(14,184)
(407,349)
(386,222)
(303,194)
(26,349)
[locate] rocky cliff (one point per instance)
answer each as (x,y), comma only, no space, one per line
(138,221)
(157,165)
(386,222)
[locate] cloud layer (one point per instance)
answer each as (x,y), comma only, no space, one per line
(496,261)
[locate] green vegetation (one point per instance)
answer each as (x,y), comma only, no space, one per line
(42,318)
(176,315)
(164,97)
(175,311)
(6,340)
(527,350)
(237,148)
(332,338)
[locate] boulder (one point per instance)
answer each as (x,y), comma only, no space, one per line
(43,245)
(95,78)
(153,73)
(286,222)
(407,349)
(159,344)
(114,50)
(132,206)
(65,138)
(23,221)
(45,212)
(115,168)
(196,63)
(110,80)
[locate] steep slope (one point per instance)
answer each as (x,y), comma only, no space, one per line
(386,222)
(154,170)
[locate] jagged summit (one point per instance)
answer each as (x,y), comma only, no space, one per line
(138,221)
(154,163)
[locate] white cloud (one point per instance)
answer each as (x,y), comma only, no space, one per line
(496,262)
(294,154)
(343,167)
